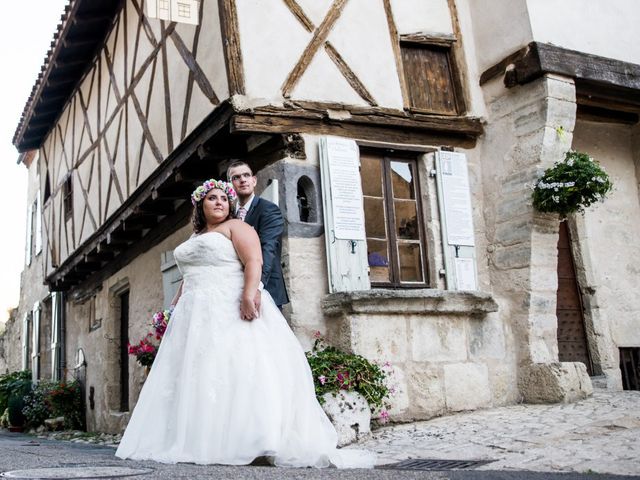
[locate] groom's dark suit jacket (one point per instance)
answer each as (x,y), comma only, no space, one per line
(267,220)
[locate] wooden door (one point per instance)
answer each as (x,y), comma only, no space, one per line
(572,338)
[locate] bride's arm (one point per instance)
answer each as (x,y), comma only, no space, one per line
(247,244)
(176,297)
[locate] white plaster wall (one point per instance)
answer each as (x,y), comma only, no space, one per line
(500,27)
(612,230)
(422,16)
(606,28)
(360,35)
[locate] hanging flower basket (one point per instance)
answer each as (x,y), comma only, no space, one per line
(571,185)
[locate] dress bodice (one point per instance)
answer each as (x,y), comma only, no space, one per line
(206,254)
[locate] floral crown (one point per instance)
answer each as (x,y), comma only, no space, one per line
(200,192)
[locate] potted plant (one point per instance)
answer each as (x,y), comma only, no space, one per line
(350,388)
(13,388)
(571,185)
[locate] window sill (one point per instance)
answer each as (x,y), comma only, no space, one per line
(402,302)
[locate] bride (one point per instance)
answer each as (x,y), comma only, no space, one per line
(230,382)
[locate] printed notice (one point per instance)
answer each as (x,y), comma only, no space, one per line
(346,191)
(457,199)
(465,274)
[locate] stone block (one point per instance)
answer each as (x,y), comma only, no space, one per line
(486,338)
(426,391)
(466,386)
(349,412)
(554,382)
(399,396)
(438,339)
(379,337)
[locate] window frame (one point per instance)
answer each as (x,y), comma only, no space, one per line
(67,197)
(447,43)
(386,156)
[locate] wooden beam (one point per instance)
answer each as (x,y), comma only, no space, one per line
(395,45)
(319,37)
(462,134)
(231,46)
(537,59)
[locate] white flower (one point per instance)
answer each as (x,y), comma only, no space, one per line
(570,162)
(555,198)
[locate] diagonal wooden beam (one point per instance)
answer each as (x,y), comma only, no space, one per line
(349,75)
(194,68)
(319,37)
(395,44)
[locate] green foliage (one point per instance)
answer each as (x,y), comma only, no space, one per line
(55,399)
(16,404)
(571,185)
(334,370)
(18,382)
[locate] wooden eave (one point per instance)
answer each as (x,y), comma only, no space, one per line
(604,86)
(81,33)
(363,123)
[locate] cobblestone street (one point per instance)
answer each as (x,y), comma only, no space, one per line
(577,440)
(600,434)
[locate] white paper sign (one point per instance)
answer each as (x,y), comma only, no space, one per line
(346,191)
(457,199)
(465,274)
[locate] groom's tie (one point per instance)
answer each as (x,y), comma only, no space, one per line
(242,212)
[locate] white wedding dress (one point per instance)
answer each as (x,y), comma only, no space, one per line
(223,390)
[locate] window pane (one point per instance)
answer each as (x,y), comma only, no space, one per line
(410,262)
(374,218)
(402,180)
(406,219)
(371,175)
(378,256)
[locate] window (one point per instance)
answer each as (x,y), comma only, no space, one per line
(67,198)
(184,10)
(396,250)
(431,76)
(163,4)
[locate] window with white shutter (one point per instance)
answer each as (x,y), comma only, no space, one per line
(28,244)
(38,223)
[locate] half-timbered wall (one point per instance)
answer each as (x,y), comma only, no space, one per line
(151,84)
(334,50)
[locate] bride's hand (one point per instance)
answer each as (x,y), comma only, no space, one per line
(248,309)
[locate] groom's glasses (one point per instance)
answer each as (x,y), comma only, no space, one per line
(235,178)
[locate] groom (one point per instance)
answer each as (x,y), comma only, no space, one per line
(267,220)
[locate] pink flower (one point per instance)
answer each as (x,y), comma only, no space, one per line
(317,334)
(343,380)
(384,416)
(322,379)
(387,364)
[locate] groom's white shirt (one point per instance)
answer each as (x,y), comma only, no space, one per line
(247,205)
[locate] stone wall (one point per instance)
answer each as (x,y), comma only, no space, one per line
(11,344)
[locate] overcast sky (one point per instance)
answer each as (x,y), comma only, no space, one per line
(24,40)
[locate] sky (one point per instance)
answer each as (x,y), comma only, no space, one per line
(24,40)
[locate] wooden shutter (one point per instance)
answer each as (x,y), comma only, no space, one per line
(35,346)
(38,222)
(456,217)
(29,235)
(344,232)
(429,77)
(25,341)
(56,329)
